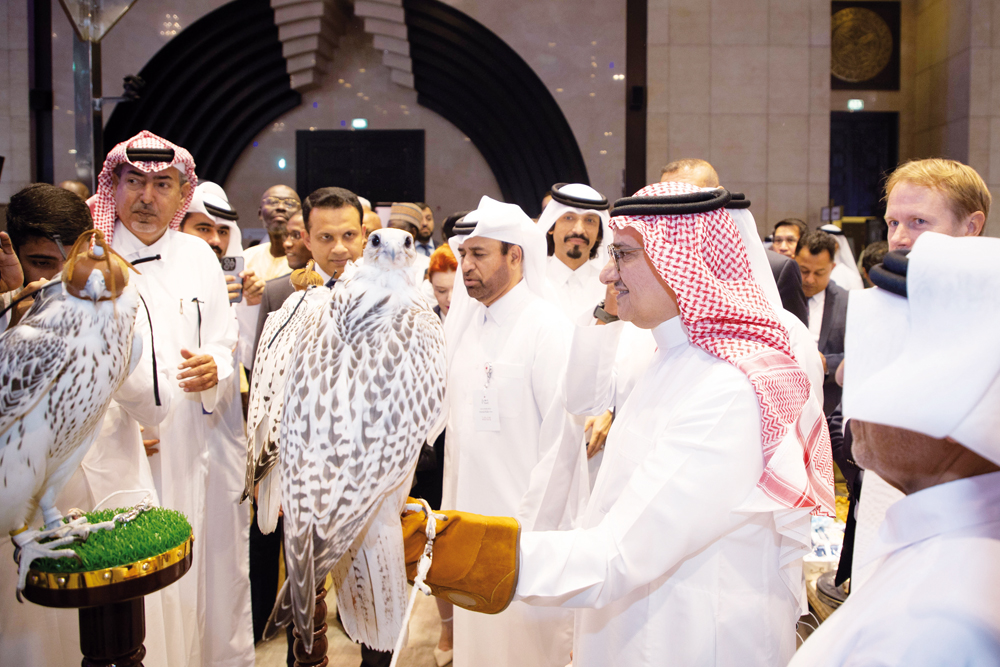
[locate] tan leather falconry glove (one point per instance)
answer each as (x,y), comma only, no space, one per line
(474,562)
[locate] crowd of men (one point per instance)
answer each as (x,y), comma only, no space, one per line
(654,395)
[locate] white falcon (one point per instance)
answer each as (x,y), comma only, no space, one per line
(58,370)
(271,368)
(366,386)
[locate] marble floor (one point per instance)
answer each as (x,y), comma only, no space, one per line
(425,628)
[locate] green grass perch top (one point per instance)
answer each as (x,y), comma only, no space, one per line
(153,532)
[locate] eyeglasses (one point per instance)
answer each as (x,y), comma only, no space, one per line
(617,252)
(277,201)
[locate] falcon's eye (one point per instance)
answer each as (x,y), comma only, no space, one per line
(408,242)
(376,240)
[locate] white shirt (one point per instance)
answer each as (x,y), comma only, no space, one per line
(816,304)
(264,265)
(529,469)
(933,597)
(577,291)
(668,567)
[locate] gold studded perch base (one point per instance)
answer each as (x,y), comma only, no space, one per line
(112,614)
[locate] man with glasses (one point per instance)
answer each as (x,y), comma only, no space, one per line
(277,205)
(689,551)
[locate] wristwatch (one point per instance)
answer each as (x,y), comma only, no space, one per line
(603,315)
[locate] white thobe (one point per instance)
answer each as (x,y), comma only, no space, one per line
(188,303)
(229,630)
(932,599)
(524,340)
(605,362)
(259,259)
(877,496)
(669,567)
(577,291)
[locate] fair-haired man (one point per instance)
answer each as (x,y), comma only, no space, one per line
(934,195)
(574,223)
(922,385)
(690,170)
(507,354)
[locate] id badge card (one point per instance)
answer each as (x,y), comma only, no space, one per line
(486,409)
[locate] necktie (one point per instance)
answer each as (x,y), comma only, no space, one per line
(331,282)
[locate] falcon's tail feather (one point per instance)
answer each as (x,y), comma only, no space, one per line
(300,562)
(281,614)
(371,583)
(269,502)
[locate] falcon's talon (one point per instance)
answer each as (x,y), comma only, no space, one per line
(33,544)
(33,550)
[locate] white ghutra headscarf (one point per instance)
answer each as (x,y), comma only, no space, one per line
(502,222)
(581,199)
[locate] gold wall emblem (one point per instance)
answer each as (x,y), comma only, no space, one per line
(861,44)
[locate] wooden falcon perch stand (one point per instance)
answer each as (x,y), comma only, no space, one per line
(110,599)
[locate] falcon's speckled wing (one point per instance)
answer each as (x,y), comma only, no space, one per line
(267,397)
(365,388)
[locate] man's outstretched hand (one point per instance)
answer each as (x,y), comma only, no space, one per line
(475,562)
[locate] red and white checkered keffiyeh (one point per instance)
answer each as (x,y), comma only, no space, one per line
(102,204)
(702,258)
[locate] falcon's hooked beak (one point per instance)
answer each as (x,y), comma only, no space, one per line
(95,288)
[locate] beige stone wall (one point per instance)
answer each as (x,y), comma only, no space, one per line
(957,87)
(744,84)
(15,116)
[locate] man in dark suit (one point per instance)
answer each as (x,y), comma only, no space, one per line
(789,278)
(827,304)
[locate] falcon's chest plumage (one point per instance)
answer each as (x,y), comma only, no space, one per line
(58,370)
(366,385)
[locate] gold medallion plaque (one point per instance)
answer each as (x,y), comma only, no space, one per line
(862,44)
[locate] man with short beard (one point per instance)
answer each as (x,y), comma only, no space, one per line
(144,190)
(574,224)
(507,355)
(277,205)
(425,230)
